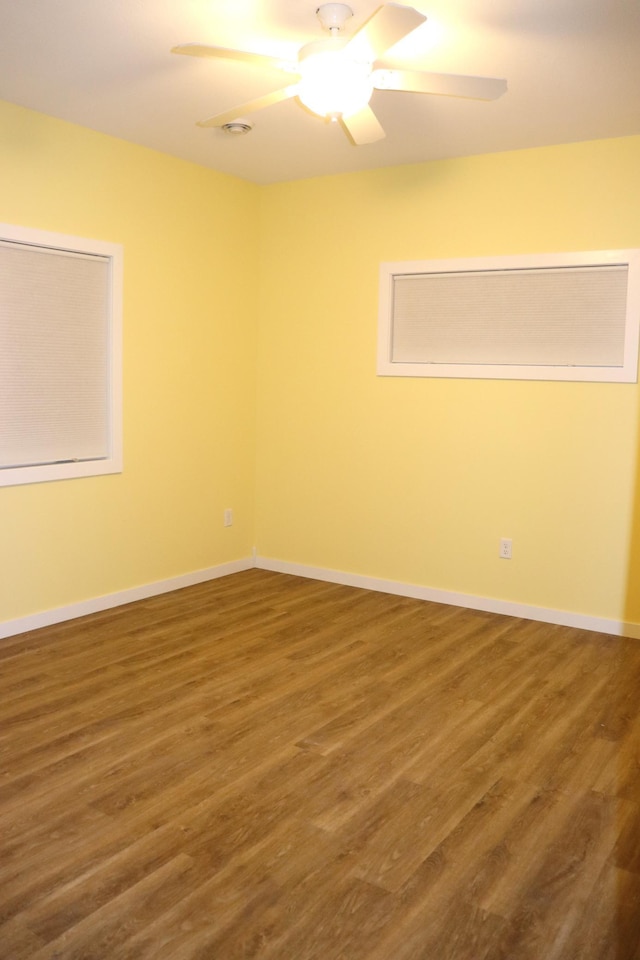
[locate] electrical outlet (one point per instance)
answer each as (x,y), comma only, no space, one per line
(228,517)
(505,548)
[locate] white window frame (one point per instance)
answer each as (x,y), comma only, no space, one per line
(627,373)
(112,463)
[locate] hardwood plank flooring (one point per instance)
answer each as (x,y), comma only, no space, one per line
(275,768)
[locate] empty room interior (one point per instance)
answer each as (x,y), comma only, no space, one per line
(335,664)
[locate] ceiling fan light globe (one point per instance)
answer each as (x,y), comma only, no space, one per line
(332,85)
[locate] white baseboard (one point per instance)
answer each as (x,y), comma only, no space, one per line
(48,617)
(488,604)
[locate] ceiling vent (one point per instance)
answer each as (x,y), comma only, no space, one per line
(238,128)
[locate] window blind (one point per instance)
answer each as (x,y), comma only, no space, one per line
(54,355)
(569,316)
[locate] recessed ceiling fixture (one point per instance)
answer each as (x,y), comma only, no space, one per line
(337,76)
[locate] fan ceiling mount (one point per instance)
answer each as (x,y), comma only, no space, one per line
(333,16)
(336,76)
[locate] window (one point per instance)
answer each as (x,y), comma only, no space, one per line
(60,356)
(555,317)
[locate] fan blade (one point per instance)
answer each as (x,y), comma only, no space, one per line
(218,121)
(363,127)
(257,59)
(389,24)
(440,84)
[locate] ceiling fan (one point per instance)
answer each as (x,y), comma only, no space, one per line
(336,77)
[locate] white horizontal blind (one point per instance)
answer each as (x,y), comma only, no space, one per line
(54,355)
(559,316)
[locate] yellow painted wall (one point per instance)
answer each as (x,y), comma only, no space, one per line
(404,479)
(190,248)
(416,480)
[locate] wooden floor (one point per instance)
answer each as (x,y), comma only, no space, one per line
(270,767)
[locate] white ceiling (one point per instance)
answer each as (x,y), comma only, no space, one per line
(573,69)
